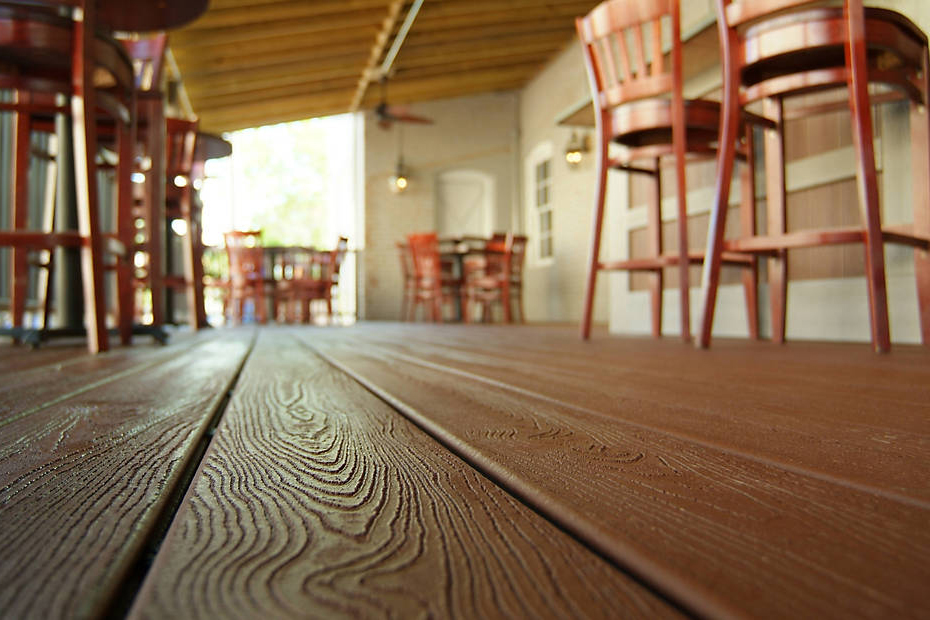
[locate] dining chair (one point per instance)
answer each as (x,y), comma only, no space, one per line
(490,279)
(58,48)
(303,281)
(433,285)
(778,50)
(639,106)
(246,274)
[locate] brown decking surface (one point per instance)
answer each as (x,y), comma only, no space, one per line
(418,470)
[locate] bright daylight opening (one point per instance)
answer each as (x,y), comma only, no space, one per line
(296,183)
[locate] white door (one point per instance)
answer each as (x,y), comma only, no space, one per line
(464,204)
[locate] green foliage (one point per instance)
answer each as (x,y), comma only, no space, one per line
(282,170)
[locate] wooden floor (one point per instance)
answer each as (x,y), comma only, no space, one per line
(463,471)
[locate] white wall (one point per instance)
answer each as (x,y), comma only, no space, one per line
(555,291)
(470,133)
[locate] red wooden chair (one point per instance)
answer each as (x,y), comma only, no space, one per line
(433,286)
(638,103)
(775,49)
(491,279)
(246,273)
(46,54)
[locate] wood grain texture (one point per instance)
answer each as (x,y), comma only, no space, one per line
(84,476)
(34,380)
(724,533)
(315,499)
(834,410)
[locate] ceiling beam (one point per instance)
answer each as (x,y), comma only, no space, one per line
(343,25)
(248,15)
(377,48)
(343,85)
(237,57)
(253,112)
(278,75)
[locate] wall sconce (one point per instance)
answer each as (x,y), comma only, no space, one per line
(576,148)
(399,181)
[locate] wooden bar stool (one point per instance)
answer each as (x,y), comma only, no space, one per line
(778,49)
(148,56)
(639,105)
(208,146)
(181,140)
(59,49)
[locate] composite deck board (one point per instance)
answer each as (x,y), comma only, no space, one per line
(840,411)
(317,499)
(721,532)
(17,357)
(85,475)
(30,386)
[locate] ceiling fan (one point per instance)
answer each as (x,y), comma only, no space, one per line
(390,114)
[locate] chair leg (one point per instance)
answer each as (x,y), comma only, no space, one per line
(505,300)
(920,156)
(726,154)
(867,181)
(594,258)
(748,229)
(654,226)
(84,111)
(776,209)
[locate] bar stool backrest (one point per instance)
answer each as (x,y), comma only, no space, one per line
(623,41)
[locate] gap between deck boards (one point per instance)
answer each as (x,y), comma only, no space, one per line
(119,606)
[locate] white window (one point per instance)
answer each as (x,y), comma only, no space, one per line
(539,166)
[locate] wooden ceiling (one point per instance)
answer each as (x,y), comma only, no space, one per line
(247,63)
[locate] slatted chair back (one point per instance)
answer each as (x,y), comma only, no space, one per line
(517,245)
(424,251)
(246,256)
(622,42)
(496,257)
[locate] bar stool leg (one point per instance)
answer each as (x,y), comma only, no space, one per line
(20,281)
(84,110)
(594,258)
(657,277)
(776,209)
(726,154)
(920,157)
(748,229)
(125,232)
(867,182)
